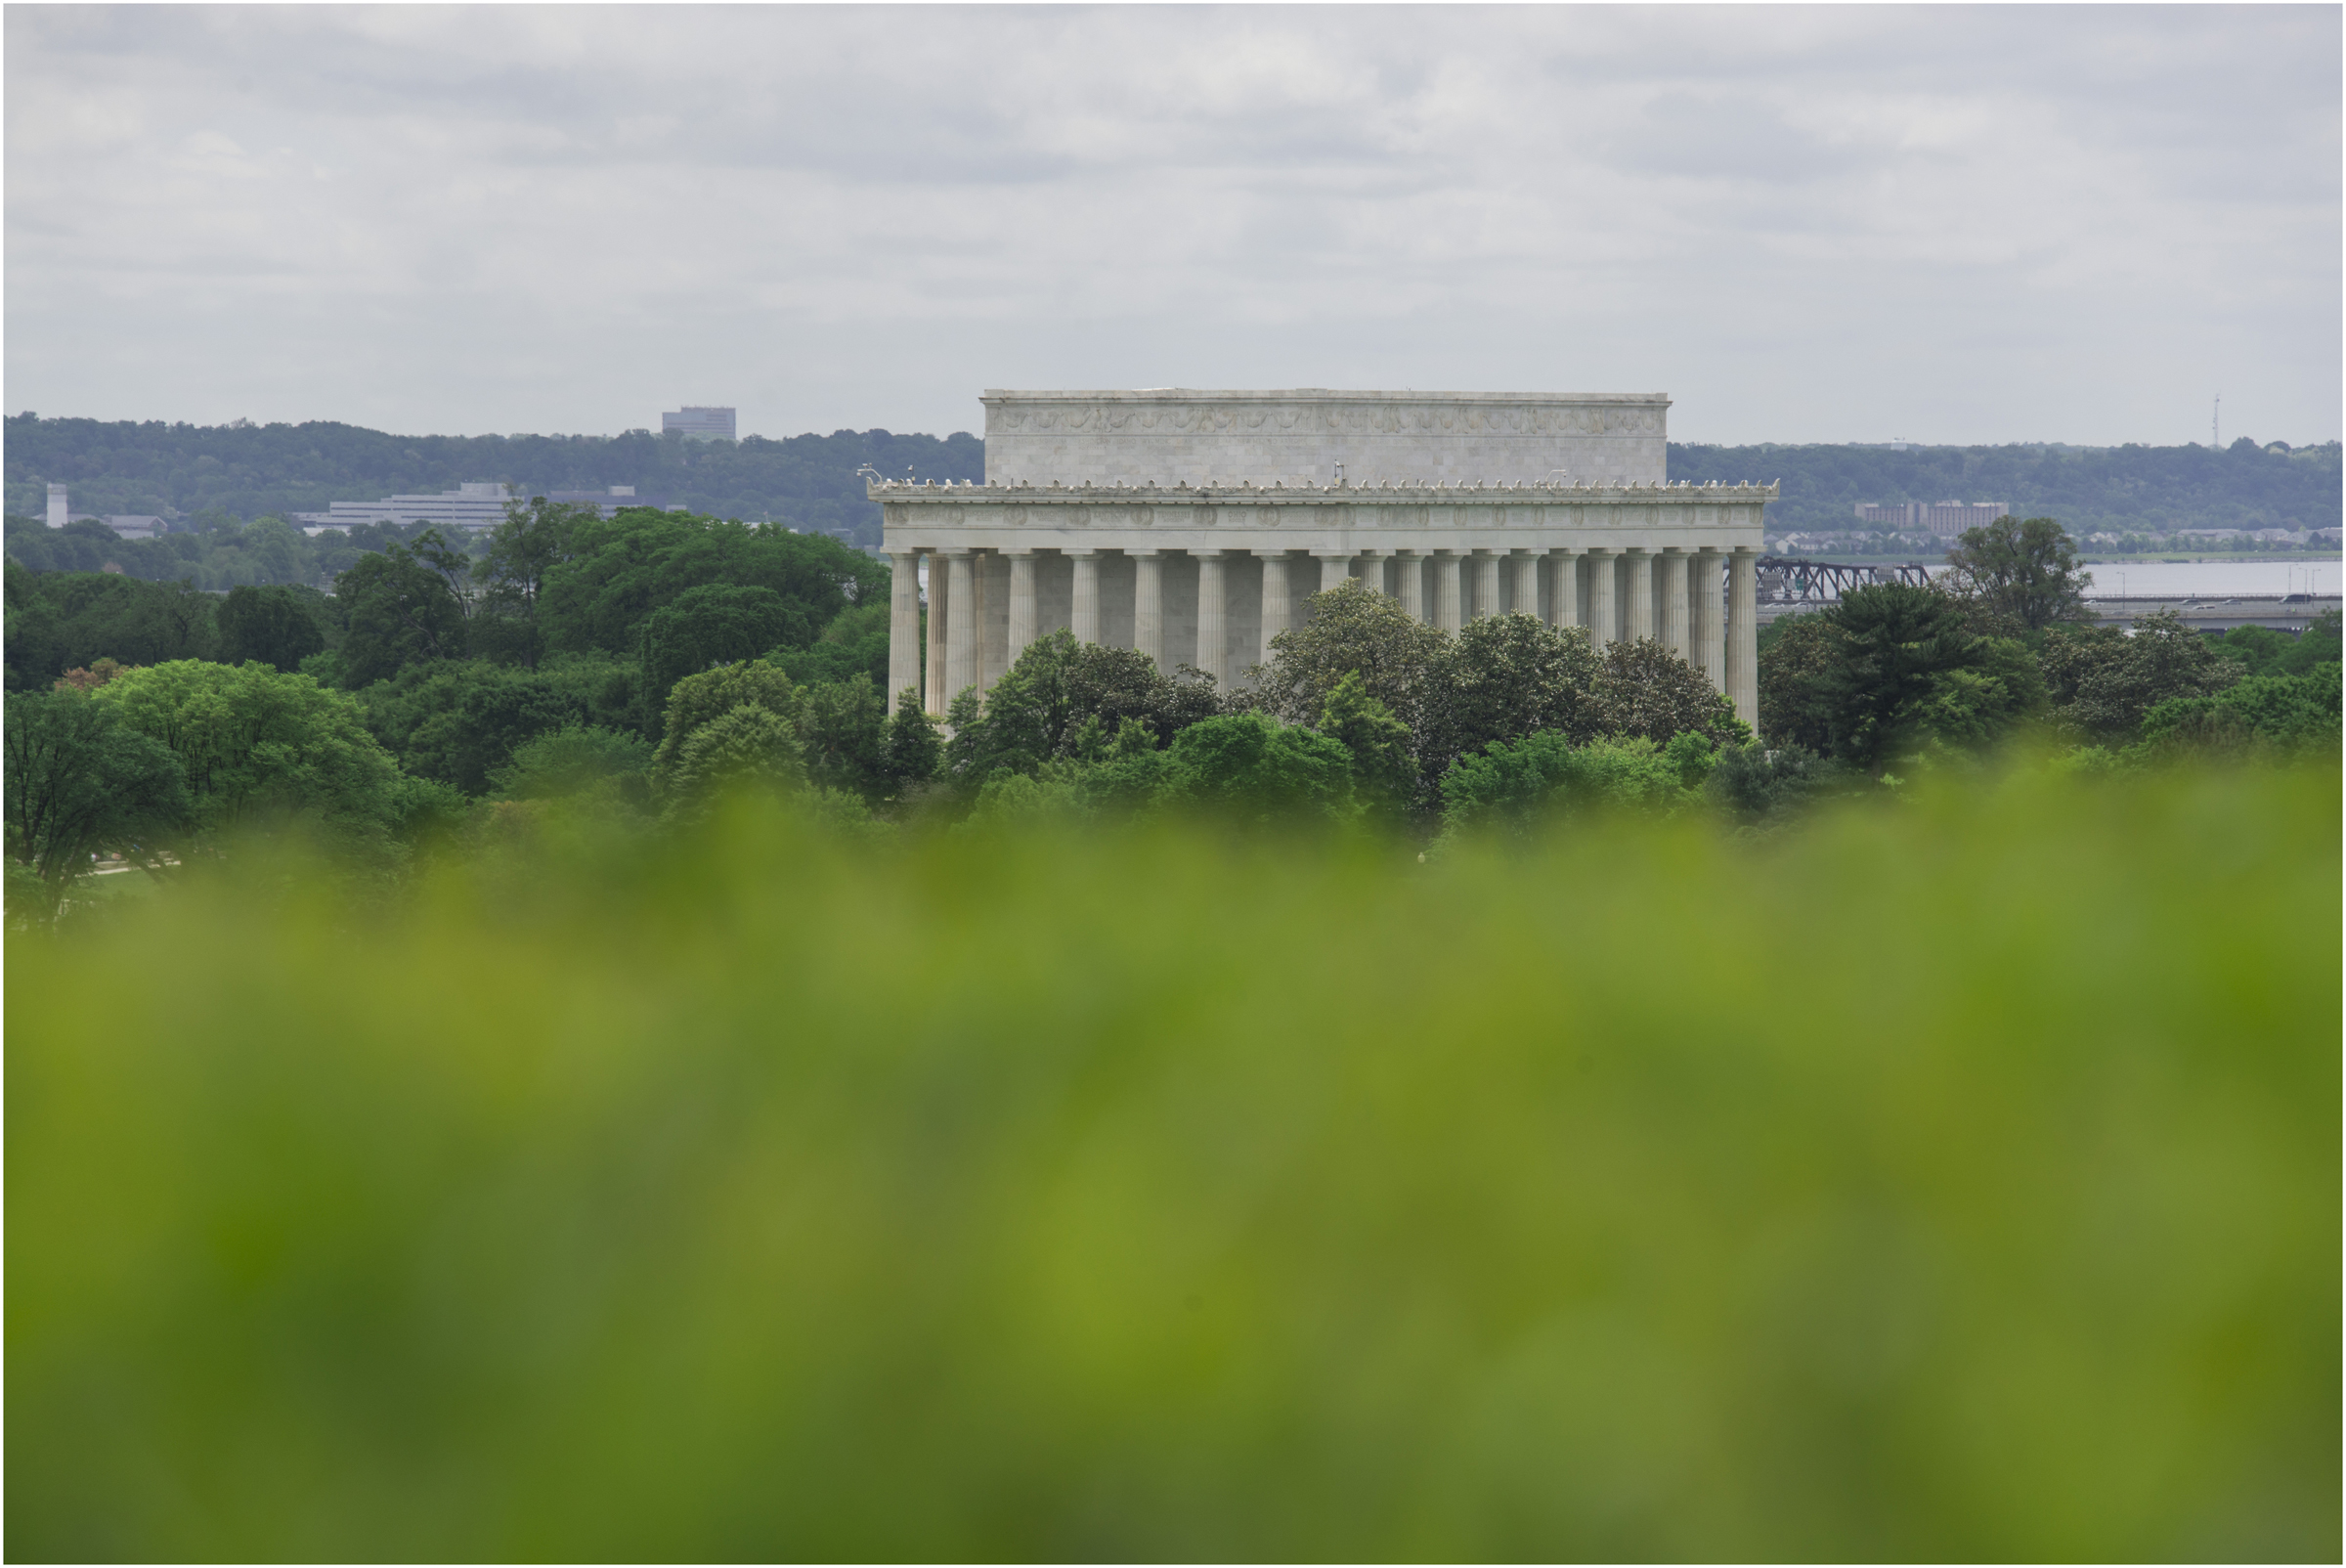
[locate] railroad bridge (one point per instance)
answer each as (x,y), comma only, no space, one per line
(1792,585)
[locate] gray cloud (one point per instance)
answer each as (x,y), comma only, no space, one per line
(1804,224)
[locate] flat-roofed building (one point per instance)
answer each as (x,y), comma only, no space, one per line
(698,424)
(480,504)
(474,505)
(1944,518)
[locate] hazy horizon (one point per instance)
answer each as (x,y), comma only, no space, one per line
(1806,225)
(1675,440)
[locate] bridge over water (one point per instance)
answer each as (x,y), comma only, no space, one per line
(1794,587)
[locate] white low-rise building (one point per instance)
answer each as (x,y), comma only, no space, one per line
(473,506)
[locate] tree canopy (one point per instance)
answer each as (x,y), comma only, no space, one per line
(238,471)
(259,746)
(1890,667)
(2129,489)
(2026,571)
(81,780)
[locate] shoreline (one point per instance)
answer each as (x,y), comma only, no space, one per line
(2147,558)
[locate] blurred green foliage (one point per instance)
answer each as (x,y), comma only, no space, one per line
(1952,1178)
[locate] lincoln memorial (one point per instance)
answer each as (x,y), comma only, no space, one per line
(1194,525)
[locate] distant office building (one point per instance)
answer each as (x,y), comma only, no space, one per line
(481,505)
(59,515)
(476,505)
(698,424)
(1945,518)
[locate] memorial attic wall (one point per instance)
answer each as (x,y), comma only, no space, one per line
(1175,436)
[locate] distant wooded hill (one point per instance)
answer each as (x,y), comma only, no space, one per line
(2125,490)
(250,472)
(810,481)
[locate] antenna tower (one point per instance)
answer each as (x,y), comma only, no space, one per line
(2215,425)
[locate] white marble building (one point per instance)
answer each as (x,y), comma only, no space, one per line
(1193,526)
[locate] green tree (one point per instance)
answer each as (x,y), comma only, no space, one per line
(404,606)
(746,747)
(715,624)
(576,759)
(1893,676)
(855,642)
(1755,782)
(79,780)
(1252,769)
(1501,677)
(2316,644)
(1794,664)
(843,729)
(268,624)
(622,568)
(1519,787)
(911,751)
(220,473)
(1384,762)
(459,720)
(59,620)
(1351,630)
(258,747)
(973,751)
(1645,690)
(702,699)
(533,541)
(1034,711)
(2027,570)
(2102,681)
(2287,715)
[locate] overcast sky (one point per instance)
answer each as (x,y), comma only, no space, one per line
(1831,224)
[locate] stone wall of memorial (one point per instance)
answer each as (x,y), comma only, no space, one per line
(1177,436)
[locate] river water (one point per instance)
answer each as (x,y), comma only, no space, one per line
(2176,579)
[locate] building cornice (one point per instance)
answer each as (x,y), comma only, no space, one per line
(1314,394)
(1528,494)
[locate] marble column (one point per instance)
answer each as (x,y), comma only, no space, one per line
(1021,604)
(903,625)
(1275,600)
(1598,564)
(934,687)
(1213,617)
(981,571)
(1445,590)
(961,630)
(1674,603)
(1409,567)
(1564,586)
(1085,609)
(1334,567)
(1709,642)
(1742,635)
(1148,605)
(1486,582)
(1523,587)
(1641,597)
(1372,571)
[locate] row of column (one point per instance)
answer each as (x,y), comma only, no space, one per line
(1724,647)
